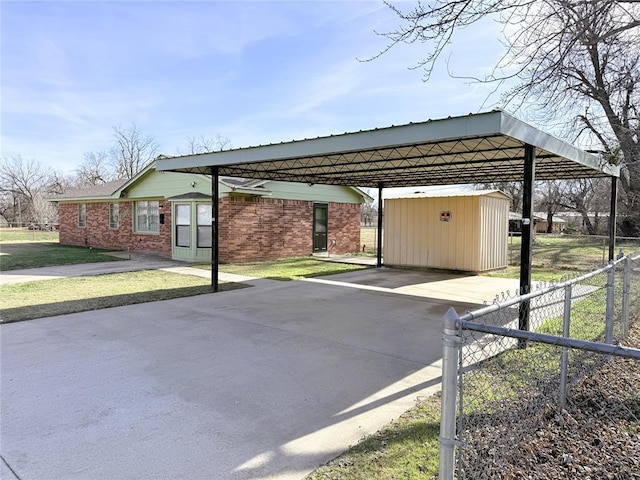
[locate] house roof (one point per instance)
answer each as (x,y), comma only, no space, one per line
(557,217)
(518,216)
(106,190)
(479,148)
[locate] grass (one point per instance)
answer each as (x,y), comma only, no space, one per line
(405,449)
(557,257)
(290,269)
(17,255)
(368,239)
(26,301)
(24,235)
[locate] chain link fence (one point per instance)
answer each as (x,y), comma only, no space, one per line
(507,391)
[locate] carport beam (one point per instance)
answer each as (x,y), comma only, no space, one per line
(215,194)
(379,261)
(527,237)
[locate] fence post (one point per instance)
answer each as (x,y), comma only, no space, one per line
(564,359)
(609,315)
(451,342)
(626,295)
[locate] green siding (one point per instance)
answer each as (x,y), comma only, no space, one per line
(168,184)
(152,184)
(314,193)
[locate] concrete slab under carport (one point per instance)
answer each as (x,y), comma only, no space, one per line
(439,285)
(266,382)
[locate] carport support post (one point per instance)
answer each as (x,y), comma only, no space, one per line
(214,227)
(612,217)
(527,236)
(379,262)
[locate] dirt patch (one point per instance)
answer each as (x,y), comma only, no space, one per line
(596,437)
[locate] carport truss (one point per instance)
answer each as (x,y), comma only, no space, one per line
(477,148)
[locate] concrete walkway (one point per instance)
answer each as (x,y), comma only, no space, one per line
(135,263)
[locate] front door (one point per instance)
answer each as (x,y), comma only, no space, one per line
(320,228)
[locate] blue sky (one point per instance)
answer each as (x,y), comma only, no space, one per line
(255,72)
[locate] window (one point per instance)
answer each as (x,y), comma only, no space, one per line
(82,215)
(183,225)
(114,216)
(204,226)
(148,216)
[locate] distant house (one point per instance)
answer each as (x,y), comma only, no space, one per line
(542,225)
(170,213)
(515,223)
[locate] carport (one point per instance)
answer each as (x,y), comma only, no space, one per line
(477,148)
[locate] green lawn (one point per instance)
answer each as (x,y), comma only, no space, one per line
(26,301)
(24,235)
(290,269)
(405,449)
(559,257)
(17,255)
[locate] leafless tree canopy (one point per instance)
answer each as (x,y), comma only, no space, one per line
(96,168)
(204,144)
(23,185)
(133,150)
(575,62)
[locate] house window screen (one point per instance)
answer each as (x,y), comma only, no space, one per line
(148,216)
(114,216)
(82,215)
(204,226)
(183,225)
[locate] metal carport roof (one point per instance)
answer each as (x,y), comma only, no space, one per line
(481,148)
(478,148)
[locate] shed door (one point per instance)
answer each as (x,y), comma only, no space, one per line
(320,228)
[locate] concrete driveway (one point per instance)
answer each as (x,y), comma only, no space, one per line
(265,382)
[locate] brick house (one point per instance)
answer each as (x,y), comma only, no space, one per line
(170,213)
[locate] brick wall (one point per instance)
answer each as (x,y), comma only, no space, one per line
(255,229)
(98,234)
(251,228)
(344,227)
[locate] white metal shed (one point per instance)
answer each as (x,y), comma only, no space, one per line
(463,230)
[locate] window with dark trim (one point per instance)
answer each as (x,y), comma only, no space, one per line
(183,225)
(82,215)
(148,216)
(114,216)
(204,226)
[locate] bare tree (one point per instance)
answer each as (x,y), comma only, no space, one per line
(204,144)
(22,183)
(60,183)
(578,61)
(45,213)
(589,197)
(96,168)
(132,150)
(550,199)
